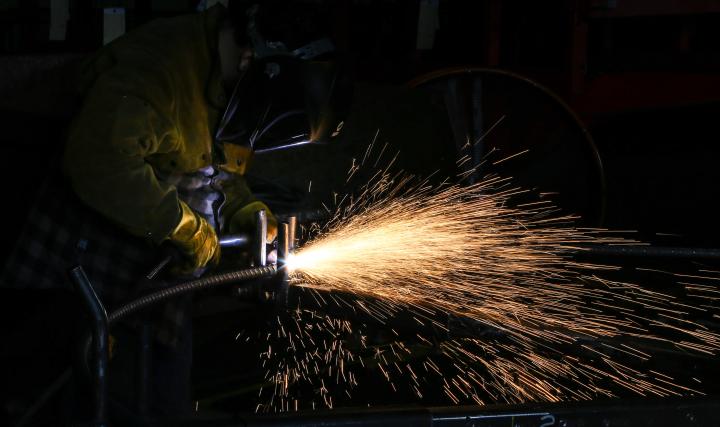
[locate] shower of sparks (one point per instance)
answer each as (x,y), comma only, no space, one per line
(535,324)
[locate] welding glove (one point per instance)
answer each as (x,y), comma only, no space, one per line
(243,220)
(196,240)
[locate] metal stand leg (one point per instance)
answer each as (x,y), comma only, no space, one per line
(99,344)
(144,369)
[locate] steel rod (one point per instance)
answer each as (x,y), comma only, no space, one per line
(261,238)
(100,343)
(649,251)
(281,294)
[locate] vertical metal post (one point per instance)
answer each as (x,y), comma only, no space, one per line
(292,233)
(281,295)
(99,341)
(142,398)
(261,238)
(283,243)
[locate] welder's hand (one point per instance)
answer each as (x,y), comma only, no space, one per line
(196,239)
(243,221)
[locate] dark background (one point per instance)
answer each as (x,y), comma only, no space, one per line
(641,76)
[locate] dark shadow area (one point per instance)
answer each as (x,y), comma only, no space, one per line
(662,174)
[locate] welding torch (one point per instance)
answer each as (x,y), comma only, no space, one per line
(275,290)
(260,255)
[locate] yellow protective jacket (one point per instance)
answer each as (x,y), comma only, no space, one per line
(152,102)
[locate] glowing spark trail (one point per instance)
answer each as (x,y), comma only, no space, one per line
(460,251)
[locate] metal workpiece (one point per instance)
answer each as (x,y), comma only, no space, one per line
(283,243)
(260,249)
(292,230)
(100,348)
(283,251)
(275,289)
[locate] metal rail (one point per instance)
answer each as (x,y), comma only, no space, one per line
(675,412)
(648,251)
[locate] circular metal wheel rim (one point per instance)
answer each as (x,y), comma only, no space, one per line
(417,82)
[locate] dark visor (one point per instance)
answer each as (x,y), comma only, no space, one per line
(283,101)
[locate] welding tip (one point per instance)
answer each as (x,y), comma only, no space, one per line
(261,238)
(233,240)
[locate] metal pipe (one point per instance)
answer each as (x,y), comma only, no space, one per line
(648,251)
(260,238)
(281,293)
(283,243)
(100,343)
(292,229)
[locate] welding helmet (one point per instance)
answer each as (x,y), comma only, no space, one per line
(286,97)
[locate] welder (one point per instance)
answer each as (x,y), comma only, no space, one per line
(171,115)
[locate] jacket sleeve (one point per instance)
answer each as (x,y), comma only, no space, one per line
(106,156)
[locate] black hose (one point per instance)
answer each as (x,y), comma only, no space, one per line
(190,286)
